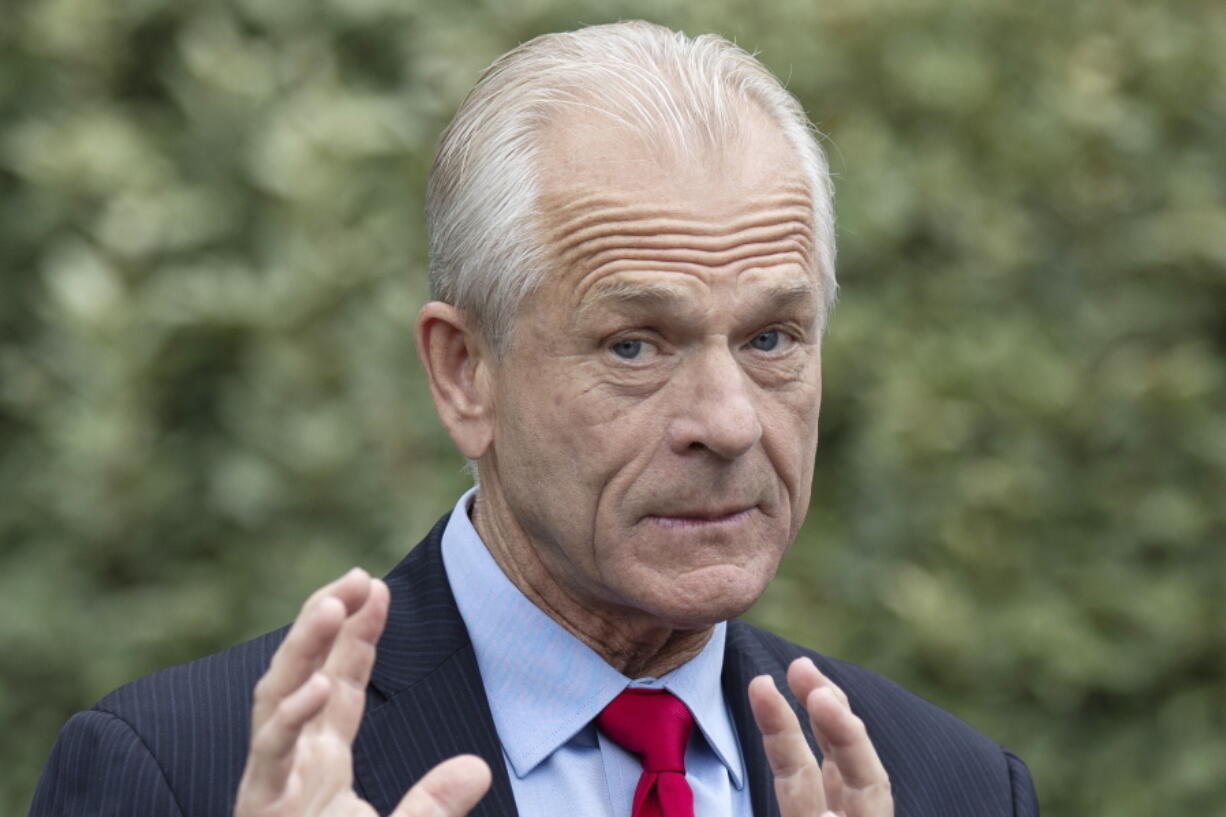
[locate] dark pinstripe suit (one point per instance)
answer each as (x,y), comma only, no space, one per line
(174,743)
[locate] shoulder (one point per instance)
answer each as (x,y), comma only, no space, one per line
(176,736)
(182,733)
(874,698)
(204,704)
(197,690)
(932,756)
(100,766)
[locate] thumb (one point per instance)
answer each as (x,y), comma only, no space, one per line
(450,789)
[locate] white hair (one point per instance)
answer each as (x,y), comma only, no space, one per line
(482,218)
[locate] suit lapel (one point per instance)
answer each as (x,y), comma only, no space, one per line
(426,702)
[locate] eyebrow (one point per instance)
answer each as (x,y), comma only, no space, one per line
(791,293)
(636,294)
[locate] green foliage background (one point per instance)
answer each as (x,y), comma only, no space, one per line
(211,248)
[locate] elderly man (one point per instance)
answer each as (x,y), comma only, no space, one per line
(632,259)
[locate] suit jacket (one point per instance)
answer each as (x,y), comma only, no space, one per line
(175,742)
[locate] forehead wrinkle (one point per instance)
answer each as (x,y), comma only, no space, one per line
(596,241)
(690,269)
(609,289)
(686,259)
(595,213)
(655,235)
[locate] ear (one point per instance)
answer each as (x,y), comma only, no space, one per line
(457,360)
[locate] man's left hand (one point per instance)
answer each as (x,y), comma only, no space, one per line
(850,782)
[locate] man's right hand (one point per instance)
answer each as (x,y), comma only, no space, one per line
(307,710)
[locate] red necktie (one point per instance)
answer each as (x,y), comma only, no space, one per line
(656,726)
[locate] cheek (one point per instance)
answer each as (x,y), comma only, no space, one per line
(790,433)
(575,409)
(559,435)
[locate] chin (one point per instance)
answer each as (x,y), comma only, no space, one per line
(708,596)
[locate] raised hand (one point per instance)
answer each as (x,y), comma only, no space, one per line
(851,781)
(307,710)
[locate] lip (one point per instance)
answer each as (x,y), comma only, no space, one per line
(702,518)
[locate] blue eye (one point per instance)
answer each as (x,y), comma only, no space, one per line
(766,342)
(627,349)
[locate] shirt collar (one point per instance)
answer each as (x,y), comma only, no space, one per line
(545,685)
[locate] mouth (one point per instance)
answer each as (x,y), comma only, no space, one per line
(701,518)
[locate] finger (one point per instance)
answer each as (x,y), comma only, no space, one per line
(351,660)
(272,745)
(848,741)
(803,678)
(798,778)
(855,780)
(309,640)
(450,789)
(352,656)
(832,779)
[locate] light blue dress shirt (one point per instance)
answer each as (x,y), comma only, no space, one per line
(545,686)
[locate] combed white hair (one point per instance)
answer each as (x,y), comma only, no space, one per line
(481,205)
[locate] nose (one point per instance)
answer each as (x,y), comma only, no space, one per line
(714,407)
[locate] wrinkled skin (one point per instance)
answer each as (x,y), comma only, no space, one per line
(647,447)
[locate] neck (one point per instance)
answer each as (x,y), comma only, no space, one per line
(632,641)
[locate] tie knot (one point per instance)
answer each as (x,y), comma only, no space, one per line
(651,723)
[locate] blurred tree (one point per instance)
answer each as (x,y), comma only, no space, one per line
(212,252)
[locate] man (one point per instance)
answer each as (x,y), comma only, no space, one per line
(632,260)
